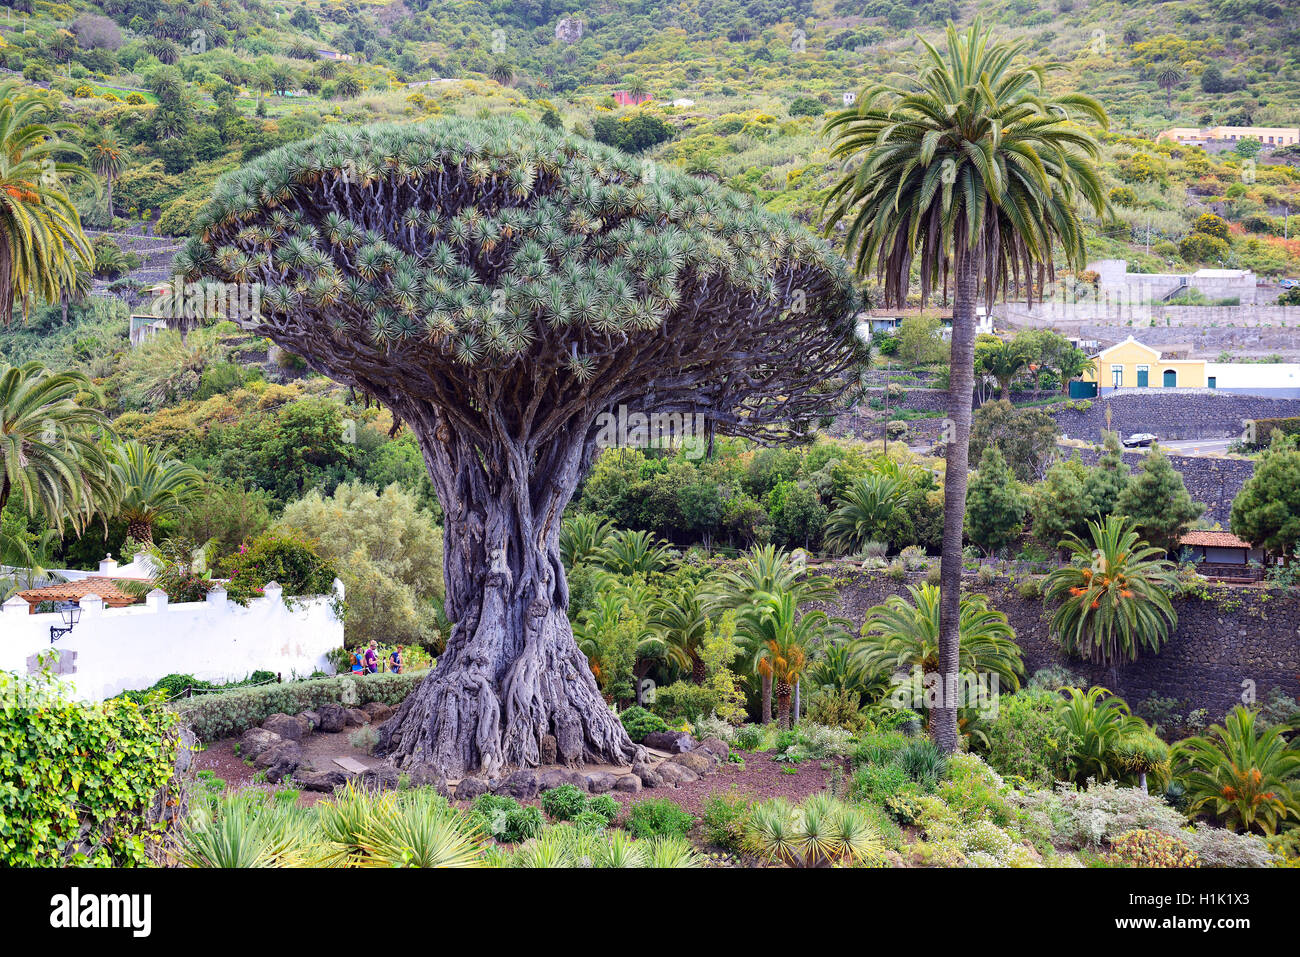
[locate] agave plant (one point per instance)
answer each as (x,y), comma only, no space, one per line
(1114,594)
(1242,773)
(670,851)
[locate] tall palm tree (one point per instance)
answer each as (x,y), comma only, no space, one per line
(1074,363)
(50,454)
(108,160)
(152,487)
(41,241)
(969,165)
(780,639)
(1168,78)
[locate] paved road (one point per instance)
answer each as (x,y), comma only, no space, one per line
(1197,446)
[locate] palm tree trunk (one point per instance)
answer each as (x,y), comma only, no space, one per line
(698,672)
(1006,389)
(797,701)
(140,531)
(767,699)
(783,703)
(961,386)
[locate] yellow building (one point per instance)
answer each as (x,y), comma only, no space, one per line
(1132,365)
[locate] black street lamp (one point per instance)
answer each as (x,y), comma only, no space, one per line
(71,612)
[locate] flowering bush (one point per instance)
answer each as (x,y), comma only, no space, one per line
(1145,848)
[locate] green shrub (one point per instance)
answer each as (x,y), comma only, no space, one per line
(923,761)
(725,819)
(840,708)
(1027,741)
(1144,848)
(638,722)
(506,819)
(659,817)
(605,806)
(217,716)
(80,783)
(563,803)
(749,737)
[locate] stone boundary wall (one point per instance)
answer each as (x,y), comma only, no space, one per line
(1171,416)
(1235,640)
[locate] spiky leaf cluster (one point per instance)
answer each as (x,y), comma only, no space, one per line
(450,258)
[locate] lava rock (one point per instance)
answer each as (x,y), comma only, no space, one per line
(675,774)
(323,781)
(285,726)
(382,778)
(355,718)
(280,761)
(521,785)
(628,783)
(698,763)
(552,779)
(598,782)
(470,788)
(256,741)
(714,746)
(674,742)
(377,710)
(332,717)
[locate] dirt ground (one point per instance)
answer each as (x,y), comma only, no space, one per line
(760,778)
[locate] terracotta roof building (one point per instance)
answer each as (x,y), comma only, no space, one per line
(74,591)
(1222,554)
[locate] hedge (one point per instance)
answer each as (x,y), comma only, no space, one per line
(1264,429)
(229,713)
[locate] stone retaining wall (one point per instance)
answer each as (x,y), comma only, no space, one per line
(1214,481)
(1234,641)
(1171,416)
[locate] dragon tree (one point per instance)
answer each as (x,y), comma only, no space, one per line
(500,286)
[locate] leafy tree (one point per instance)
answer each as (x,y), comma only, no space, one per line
(1025,437)
(1158,503)
(388,552)
(634,133)
(995,505)
(1266,512)
(919,342)
(1107,480)
(498,286)
(1058,503)
(1114,595)
(971,167)
(797,515)
(806,106)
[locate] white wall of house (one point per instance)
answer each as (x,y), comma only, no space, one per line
(119,649)
(1276,379)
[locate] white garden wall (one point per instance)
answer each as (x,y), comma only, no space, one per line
(118,649)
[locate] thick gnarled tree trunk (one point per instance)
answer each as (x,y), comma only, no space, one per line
(512,672)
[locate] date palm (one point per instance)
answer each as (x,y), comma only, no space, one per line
(50,454)
(41,240)
(766,569)
(582,536)
(1242,773)
(863,512)
(902,635)
(1114,594)
(681,619)
(630,553)
(108,159)
(1004,361)
(152,487)
(780,640)
(1168,78)
(969,166)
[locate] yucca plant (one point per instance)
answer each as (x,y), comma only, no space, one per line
(818,833)
(421,830)
(1242,773)
(246,830)
(670,851)
(620,850)
(344,822)
(972,171)
(552,282)
(1114,595)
